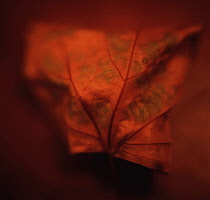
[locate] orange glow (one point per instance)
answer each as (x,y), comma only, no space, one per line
(112,91)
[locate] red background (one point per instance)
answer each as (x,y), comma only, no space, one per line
(32,148)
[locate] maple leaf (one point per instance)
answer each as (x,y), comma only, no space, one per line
(112,91)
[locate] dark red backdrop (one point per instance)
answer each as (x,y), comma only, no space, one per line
(32,148)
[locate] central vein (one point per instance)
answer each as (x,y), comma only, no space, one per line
(109,139)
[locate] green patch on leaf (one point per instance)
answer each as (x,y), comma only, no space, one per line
(51,64)
(118,44)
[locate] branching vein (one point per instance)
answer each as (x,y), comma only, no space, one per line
(121,93)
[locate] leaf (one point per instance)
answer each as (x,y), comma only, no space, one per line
(121,87)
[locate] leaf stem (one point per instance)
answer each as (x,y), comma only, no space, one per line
(113,170)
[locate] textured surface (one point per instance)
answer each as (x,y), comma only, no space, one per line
(116,88)
(32,152)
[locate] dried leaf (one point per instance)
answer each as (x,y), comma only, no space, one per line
(113,91)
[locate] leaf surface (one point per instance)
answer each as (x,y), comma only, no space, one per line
(119,87)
